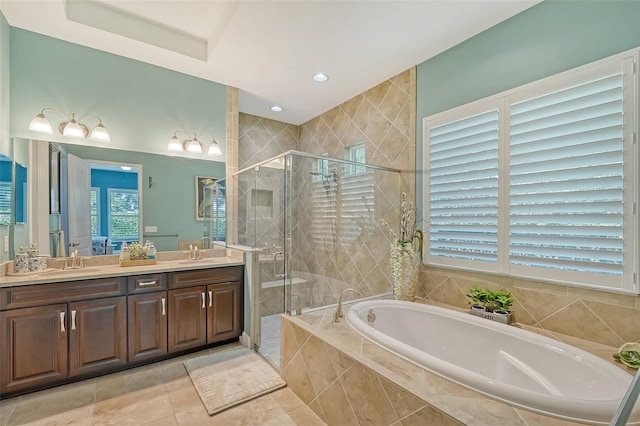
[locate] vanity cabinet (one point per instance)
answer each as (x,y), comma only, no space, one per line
(205,306)
(34,347)
(97,335)
(51,332)
(147,316)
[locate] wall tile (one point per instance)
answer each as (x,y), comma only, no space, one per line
(336,407)
(367,397)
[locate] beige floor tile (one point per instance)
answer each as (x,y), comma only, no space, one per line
(165,421)
(236,416)
(132,409)
(183,398)
(7,406)
(274,404)
(66,403)
(159,394)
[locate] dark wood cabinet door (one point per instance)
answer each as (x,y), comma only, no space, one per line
(187,318)
(224,320)
(147,317)
(97,335)
(34,347)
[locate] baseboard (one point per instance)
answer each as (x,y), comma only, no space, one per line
(245,340)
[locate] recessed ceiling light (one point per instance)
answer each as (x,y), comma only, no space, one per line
(320,78)
(276,108)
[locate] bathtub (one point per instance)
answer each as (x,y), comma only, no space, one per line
(506,363)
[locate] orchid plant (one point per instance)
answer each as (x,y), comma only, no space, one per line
(408,231)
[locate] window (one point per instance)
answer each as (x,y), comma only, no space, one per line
(95,212)
(123,215)
(539,181)
(5,203)
(355,153)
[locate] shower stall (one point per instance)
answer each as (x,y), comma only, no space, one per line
(313,223)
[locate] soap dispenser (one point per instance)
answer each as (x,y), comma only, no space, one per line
(125,256)
(151,251)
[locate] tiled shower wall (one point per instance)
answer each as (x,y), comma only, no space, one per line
(598,316)
(383,118)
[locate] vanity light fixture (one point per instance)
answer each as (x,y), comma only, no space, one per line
(276,108)
(71,127)
(193,144)
(320,78)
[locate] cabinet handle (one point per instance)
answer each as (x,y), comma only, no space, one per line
(147,283)
(203,297)
(163,306)
(62,329)
(210,298)
(73,319)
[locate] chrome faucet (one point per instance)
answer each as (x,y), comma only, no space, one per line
(338,313)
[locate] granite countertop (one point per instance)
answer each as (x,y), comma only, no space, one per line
(107,266)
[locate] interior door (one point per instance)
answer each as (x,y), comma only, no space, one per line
(79,207)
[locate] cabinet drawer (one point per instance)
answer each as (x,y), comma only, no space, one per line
(146,283)
(205,276)
(47,294)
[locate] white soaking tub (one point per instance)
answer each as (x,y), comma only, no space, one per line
(515,366)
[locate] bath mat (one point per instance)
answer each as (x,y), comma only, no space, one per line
(229,378)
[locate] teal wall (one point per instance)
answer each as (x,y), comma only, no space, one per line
(549,38)
(140,104)
(170,202)
(5,144)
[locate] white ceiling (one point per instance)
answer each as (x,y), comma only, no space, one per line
(270,49)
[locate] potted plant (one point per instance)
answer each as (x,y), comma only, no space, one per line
(503,301)
(493,305)
(479,298)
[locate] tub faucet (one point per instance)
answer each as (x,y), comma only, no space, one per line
(338,313)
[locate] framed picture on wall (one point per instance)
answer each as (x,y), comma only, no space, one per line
(54,179)
(201,182)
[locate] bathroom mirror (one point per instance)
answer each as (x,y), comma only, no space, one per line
(6,179)
(167,201)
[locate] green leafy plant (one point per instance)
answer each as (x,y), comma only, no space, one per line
(478,296)
(491,300)
(503,300)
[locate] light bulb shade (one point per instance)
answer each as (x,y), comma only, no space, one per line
(41,124)
(100,134)
(214,149)
(73,130)
(194,146)
(174,144)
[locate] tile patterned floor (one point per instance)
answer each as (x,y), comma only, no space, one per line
(158,394)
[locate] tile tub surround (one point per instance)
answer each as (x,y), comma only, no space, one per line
(346,379)
(598,316)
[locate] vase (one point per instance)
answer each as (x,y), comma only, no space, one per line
(404,272)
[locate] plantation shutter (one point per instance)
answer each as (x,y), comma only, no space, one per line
(356,205)
(463,189)
(5,203)
(566,189)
